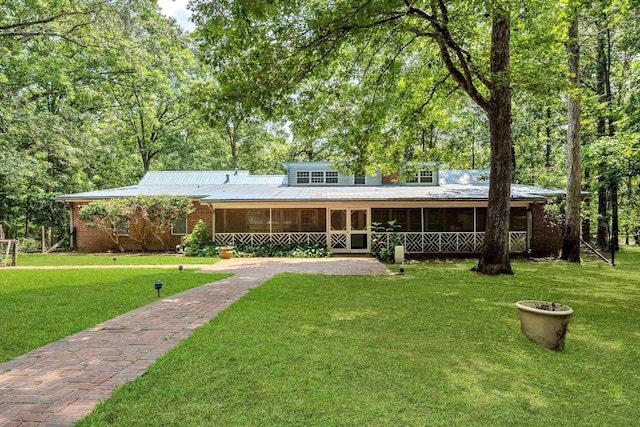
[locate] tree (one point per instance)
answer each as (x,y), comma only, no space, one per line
(145,217)
(107,216)
(571,235)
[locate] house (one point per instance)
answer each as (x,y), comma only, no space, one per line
(436,211)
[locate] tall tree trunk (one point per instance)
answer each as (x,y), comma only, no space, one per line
(547,157)
(602,238)
(571,236)
(494,258)
(602,75)
(615,229)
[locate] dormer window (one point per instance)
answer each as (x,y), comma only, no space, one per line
(302,177)
(359,180)
(317,177)
(422,177)
(332,177)
(425,177)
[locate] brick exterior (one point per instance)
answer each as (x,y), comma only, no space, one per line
(93,240)
(546,238)
(391,179)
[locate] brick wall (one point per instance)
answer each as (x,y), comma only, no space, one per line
(391,179)
(93,240)
(546,238)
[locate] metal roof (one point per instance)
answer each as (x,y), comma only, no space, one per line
(227,186)
(189,177)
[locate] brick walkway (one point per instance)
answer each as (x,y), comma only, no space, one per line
(61,382)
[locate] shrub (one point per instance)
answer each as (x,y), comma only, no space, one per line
(199,241)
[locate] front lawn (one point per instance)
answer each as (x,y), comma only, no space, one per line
(41,306)
(438,346)
(56,259)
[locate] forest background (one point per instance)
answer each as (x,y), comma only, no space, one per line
(95,93)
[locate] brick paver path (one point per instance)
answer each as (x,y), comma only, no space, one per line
(61,382)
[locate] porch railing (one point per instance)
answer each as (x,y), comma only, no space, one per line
(413,242)
(255,239)
(445,242)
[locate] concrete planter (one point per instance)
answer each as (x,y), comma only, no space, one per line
(545,327)
(226,253)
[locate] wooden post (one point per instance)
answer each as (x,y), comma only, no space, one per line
(16,248)
(42,240)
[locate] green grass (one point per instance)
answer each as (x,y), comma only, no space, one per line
(41,306)
(438,346)
(107,259)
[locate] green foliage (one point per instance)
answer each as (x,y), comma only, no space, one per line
(288,251)
(199,239)
(145,217)
(386,247)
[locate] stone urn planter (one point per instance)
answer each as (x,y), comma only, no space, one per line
(226,253)
(544,322)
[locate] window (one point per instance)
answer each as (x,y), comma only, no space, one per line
(332,177)
(179,227)
(317,177)
(422,177)
(449,220)
(302,177)
(122,227)
(425,177)
(359,180)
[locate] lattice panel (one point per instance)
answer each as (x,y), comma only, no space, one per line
(338,241)
(431,242)
(261,239)
(379,241)
(280,238)
(413,242)
(479,241)
(466,242)
(517,241)
(318,239)
(224,239)
(449,242)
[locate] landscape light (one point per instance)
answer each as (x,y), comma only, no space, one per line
(180,267)
(114,259)
(158,286)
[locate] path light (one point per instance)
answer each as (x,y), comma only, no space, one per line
(158,286)
(401,270)
(114,259)
(180,267)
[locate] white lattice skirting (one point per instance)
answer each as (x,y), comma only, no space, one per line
(429,242)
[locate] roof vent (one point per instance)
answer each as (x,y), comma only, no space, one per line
(236,172)
(227,180)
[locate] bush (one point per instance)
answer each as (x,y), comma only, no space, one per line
(199,241)
(260,251)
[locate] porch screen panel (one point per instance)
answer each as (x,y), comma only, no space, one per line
(517,219)
(298,220)
(449,220)
(409,220)
(242,220)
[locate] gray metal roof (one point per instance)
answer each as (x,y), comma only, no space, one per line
(227,186)
(189,177)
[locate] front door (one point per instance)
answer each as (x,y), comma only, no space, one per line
(349,230)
